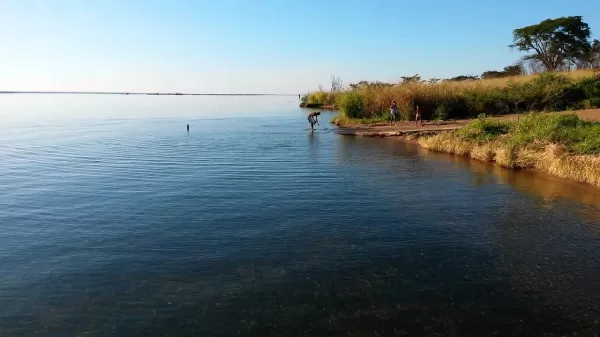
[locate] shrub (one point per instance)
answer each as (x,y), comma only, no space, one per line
(321,98)
(352,105)
(590,87)
(591,103)
(441,112)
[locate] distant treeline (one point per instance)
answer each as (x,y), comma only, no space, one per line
(508,71)
(132,93)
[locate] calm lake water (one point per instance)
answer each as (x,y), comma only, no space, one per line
(254,226)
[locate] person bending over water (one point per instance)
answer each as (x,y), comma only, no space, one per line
(312,119)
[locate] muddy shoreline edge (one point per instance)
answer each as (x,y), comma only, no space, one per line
(551,159)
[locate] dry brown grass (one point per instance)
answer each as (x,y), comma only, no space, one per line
(446,89)
(502,82)
(456,100)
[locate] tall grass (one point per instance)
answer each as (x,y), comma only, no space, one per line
(563,145)
(451,100)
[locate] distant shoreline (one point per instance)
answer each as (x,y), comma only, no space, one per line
(17,92)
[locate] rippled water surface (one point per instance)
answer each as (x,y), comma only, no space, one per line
(258,227)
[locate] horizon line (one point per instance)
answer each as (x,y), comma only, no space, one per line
(138,93)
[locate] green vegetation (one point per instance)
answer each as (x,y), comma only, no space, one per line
(346,121)
(559,144)
(484,129)
(353,104)
(321,98)
(574,134)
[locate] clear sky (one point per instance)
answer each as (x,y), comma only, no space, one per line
(283,46)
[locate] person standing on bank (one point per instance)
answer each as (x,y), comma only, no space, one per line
(312,119)
(393,112)
(418,115)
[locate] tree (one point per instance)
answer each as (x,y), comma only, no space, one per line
(556,43)
(595,54)
(462,78)
(513,70)
(533,66)
(591,59)
(492,74)
(411,79)
(366,84)
(336,83)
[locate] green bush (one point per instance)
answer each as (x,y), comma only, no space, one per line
(441,112)
(591,87)
(484,102)
(591,103)
(352,105)
(321,98)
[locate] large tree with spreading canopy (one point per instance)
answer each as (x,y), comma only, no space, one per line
(556,43)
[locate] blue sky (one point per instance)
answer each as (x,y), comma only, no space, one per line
(258,46)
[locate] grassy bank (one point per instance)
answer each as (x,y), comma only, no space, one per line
(459,100)
(320,99)
(562,145)
(318,106)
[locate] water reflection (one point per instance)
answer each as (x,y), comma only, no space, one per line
(539,184)
(312,144)
(546,187)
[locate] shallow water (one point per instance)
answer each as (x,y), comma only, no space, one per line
(257,227)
